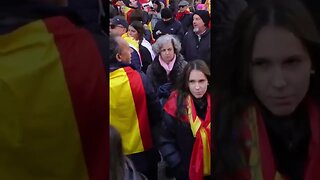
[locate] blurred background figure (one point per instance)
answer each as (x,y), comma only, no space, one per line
(168,25)
(136,30)
(121,167)
(184,15)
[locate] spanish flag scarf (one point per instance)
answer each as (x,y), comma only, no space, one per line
(200,162)
(261,162)
(127,111)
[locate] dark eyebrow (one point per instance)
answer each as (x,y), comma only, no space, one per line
(260,59)
(296,56)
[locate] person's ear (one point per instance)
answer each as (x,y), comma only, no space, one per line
(118,57)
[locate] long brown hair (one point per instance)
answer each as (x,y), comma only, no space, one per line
(183,84)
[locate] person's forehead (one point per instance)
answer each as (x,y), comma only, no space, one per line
(167,44)
(131,28)
(197,74)
(277,43)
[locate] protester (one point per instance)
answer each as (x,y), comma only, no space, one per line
(267,121)
(165,70)
(136,30)
(119,27)
(168,25)
(184,140)
(184,15)
(134,109)
(196,43)
(155,13)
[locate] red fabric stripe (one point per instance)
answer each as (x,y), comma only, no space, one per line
(139,97)
(313,163)
(86,78)
(266,155)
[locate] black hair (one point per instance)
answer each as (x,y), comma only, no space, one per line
(138,26)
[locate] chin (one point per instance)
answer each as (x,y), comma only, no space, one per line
(282,111)
(198,96)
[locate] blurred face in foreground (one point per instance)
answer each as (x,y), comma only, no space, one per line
(280,70)
(198,83)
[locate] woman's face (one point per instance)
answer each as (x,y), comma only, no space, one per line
(167,52)
(280,70)
(198,83)
(132,32)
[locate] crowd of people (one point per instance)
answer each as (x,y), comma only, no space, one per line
(159,73)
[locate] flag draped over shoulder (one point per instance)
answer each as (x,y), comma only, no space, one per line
(54,100)
(128,112)
(200,164)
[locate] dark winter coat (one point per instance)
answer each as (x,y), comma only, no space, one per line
(186,21)
(176,142)
(158,75)
(173,27)
(193,49)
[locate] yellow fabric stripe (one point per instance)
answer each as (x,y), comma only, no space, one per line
(206,152)
(37,142)
(254,159)
(195,126)
(123,113)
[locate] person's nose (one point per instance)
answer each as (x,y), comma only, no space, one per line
(197,86)
(278,79)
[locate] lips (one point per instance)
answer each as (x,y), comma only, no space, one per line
(282,100)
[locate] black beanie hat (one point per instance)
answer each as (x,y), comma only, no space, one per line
(166,13)
(204,15)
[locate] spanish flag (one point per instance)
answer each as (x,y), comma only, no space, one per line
(128,113)
(54,100)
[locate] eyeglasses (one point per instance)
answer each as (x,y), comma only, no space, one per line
(182,6)
(112,26)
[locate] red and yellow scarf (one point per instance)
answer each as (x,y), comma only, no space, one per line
(261,161)
(200,163)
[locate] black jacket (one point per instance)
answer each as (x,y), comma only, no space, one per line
(186,22)
(171,27)
(176,141)
(158,75)
(193,49)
